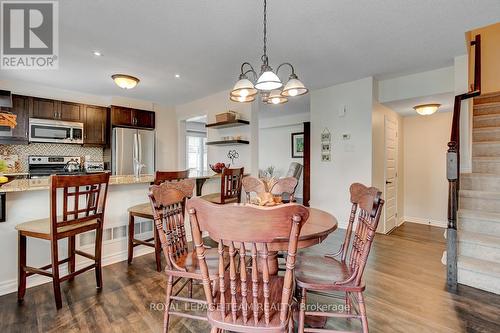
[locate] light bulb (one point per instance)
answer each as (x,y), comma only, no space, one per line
(241,98)
(293,92)
(244,93)
(275,100)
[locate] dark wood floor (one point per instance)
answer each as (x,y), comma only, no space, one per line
(405,293)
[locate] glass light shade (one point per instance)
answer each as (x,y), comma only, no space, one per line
(243,88)
(426,109)
(275,98)
(242,99)
(125,81)
(294,87)
(268,81)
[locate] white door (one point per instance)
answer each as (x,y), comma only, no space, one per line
(391,174)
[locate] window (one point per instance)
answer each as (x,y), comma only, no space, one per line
(196,156)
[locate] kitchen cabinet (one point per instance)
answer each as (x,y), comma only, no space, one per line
(57,110)
(69,111)
(95,125)
(127,117)
(45,108)
(19,134)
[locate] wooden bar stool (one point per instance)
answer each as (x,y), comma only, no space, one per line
(325,274)
(230,187)
(145,211)
(83,204)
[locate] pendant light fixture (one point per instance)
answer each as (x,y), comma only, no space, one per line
(125,81)
(426,109)
(267,82)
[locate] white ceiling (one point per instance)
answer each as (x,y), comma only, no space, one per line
(297,105)
(405,106)
(205,42)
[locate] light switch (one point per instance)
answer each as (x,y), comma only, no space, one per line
(346,136)
(343,111)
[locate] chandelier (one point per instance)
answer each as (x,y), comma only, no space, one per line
(267,83)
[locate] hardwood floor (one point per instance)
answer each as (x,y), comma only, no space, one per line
(405,293)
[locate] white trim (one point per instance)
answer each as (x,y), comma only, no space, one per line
(419,220)
(10,286)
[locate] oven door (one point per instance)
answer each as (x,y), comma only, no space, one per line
(50,131)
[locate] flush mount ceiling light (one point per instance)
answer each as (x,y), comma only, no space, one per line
(426,109)
(125,81)
(267,82)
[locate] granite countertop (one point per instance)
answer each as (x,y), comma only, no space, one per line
(21,185)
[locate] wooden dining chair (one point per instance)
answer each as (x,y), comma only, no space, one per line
(327,274)
(77,205)
(252,185)
(286,186)
(246,298)
(230,189)
(144,211)
(168,205)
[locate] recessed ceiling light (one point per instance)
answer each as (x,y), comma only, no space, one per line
(177,75)
(97,53)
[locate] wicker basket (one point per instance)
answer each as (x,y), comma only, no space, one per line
(226,116)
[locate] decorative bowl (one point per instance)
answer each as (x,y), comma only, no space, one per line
(218,167)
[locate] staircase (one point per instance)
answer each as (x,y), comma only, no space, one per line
(479,211)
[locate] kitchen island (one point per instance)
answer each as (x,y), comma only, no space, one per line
(28,199)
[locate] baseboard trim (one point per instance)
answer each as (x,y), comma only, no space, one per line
(419,220)
(10,286)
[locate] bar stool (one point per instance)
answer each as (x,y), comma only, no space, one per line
(230,192)
(145,211)
(83,204)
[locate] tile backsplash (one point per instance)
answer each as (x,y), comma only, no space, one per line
(23,151)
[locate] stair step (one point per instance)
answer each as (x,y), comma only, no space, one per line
(487,98)
(486,164)
(486,148)
(480,200)
(479,221)
(480,182)
(485,134)
(487,120)
(477,273)
(486,108)
(479,245)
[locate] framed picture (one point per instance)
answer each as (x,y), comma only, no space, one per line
(325,147)
(298,145)
(325,136)
(325,158)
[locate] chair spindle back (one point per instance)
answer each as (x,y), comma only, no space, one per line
(168,202)
(231,181)
(247,230)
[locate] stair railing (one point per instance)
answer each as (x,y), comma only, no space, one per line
(453,169)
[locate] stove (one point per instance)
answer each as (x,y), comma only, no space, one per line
(44,166)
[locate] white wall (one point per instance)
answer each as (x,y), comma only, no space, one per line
(426,186)
(438,81)
(166,138)
(210,106)
(461,68)
(378,171)
(351,159)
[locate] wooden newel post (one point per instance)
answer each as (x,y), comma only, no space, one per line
(452,166)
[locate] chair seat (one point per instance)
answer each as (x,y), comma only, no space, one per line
(215,198)
(42,226)
(317,272)
(142,210)
(216,318)
(190,262)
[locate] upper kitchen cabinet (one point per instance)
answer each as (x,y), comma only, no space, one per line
(18,134)
(127,117)
(71,111)
(57,110)
(95,125)
(45,108)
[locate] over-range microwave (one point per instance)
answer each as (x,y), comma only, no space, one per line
(55,131)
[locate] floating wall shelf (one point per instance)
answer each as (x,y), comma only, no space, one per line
(228,143)
(227,124)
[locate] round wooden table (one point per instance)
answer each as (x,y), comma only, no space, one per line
(317,227)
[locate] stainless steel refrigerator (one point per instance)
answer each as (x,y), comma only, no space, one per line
(133,151)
